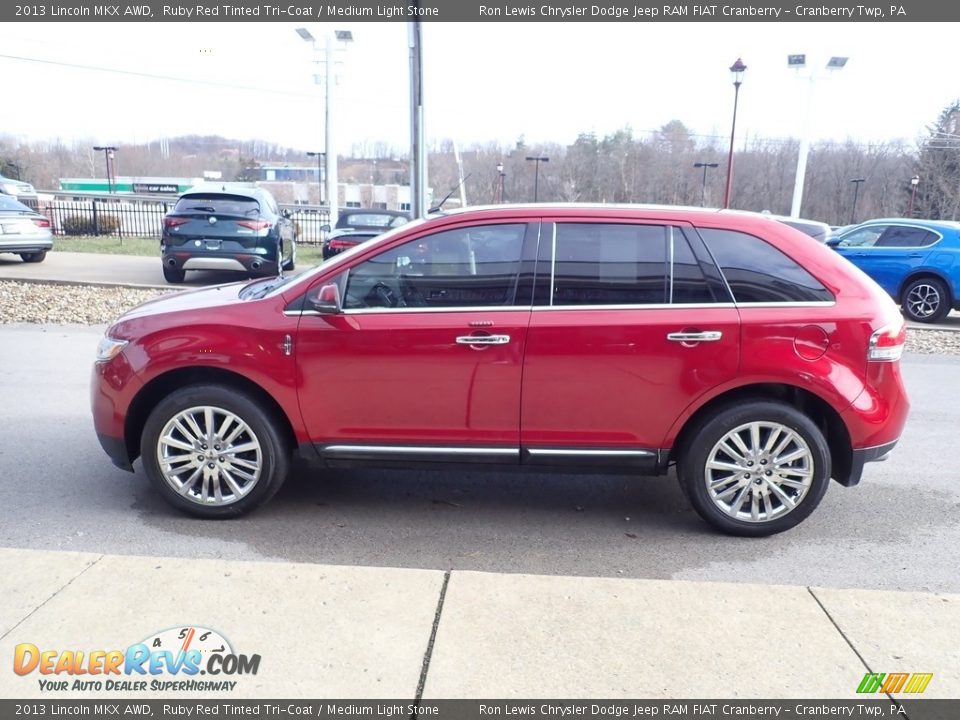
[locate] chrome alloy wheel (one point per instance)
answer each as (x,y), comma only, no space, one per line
(759,471)
(209,455)
(923,300)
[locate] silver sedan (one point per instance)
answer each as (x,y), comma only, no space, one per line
(23,231)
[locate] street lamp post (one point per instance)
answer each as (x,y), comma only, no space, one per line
(798,62)
(914,181)
(329,80)
(501,175)
(703,189)
(319,156)
(737,70)
(856,189)
(107,151)
(536,173)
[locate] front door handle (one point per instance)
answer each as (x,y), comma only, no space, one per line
(479,340)
(688,338)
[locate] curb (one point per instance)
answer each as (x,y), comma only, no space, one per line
(95,283)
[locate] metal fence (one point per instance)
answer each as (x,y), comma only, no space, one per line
(142,216)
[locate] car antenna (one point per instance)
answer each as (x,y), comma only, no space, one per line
(439,205)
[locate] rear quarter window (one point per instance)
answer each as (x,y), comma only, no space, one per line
(757,272)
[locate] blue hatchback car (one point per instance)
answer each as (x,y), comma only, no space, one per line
(916,261)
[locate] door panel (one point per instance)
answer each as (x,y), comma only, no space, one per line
(402,377)
(429,348)
(612,378)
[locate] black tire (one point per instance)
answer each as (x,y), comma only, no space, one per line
(703,443)
(34,257)
(173,275)
(262,427)
(926,300)
(292,262)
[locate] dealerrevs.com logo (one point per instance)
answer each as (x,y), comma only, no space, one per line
(168,661)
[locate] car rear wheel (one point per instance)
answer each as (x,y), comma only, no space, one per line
(292,262)
(214,451)
(926,300)
(34,257)
(756,468)
(173,275)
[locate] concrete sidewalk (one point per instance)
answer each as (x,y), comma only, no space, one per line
(363,632)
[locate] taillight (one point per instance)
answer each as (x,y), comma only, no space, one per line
(886,344)
(341,244)
(255,224)
(41,222)
(172,222)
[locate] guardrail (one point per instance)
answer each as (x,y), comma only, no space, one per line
(142,215)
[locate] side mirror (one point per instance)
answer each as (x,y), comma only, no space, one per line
(286,214)
(833,242)
(324,228)
(327,301)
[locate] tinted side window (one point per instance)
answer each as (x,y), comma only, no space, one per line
(689,285)
(465,267)
(864,237)
(899,236)
(608,264)
(758,272)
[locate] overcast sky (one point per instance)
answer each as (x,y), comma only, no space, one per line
(483,81)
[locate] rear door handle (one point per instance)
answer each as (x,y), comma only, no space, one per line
(695,337)
(483,339)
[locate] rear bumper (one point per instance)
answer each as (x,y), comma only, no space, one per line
(116,450)
(239,262)
(24,243)
(862,456)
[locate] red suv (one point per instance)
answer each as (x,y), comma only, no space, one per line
(549,338)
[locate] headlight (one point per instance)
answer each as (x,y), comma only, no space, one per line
(109,348)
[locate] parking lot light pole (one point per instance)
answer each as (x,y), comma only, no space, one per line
(501,175)
(856,190)
(799,62)
(341,36)
(107,151)
(737,70)
(703,189)
(536,173)
(319,156)
(914,181)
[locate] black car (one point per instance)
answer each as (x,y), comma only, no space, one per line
(227,226)
(357,225)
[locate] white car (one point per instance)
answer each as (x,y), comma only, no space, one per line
(23,231)
(17,188)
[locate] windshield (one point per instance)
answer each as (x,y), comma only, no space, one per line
(371,219)
(217,203)
(340,258)
(9,204)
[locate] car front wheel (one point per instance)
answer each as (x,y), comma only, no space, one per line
(756,468)
(214,451)
(926,300)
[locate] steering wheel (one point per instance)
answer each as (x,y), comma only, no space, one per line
(381,295)
(412,297)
